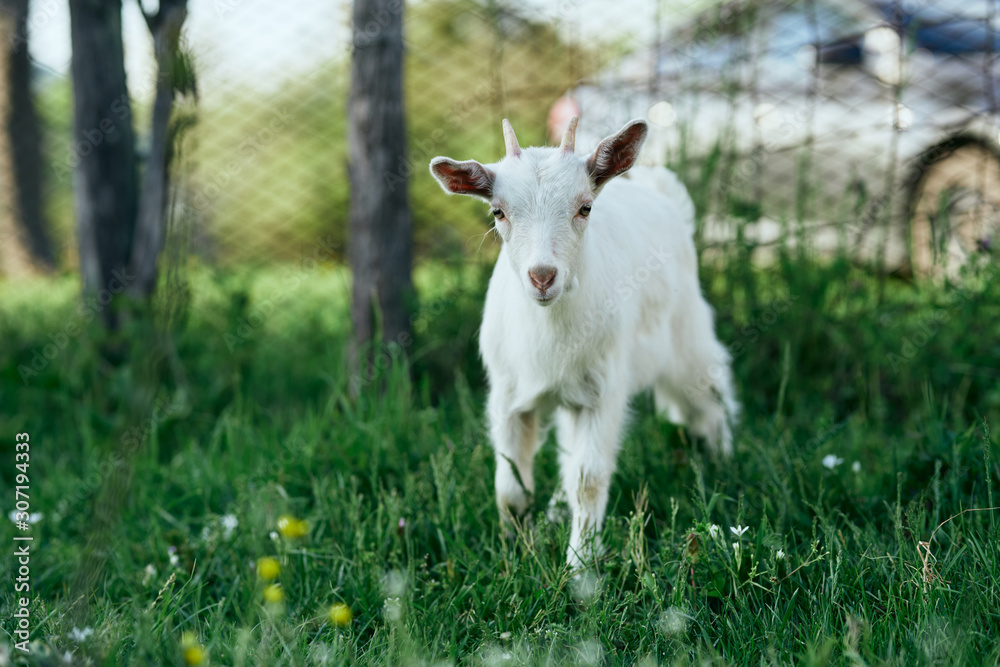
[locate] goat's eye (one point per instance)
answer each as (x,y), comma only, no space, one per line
(498,213)
(585,210)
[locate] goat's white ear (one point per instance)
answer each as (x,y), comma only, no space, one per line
(463,178)
(616,154)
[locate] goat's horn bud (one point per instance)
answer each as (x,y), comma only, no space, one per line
(569,136)
(510,140)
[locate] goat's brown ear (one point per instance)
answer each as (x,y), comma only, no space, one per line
(616,154)
(463,178)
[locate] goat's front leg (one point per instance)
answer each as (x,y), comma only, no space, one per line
(588,447)
(515,438)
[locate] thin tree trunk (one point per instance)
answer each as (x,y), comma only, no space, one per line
(165,27)
(24,239)
(121,226)
(105,179)
(380,237)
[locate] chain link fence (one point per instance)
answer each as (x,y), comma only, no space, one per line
(861,124)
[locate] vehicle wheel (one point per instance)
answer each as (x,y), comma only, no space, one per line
(955,211)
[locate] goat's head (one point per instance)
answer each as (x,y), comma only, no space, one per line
(541,200)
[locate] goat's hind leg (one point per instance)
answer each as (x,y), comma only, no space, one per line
(710,408)
(668,404)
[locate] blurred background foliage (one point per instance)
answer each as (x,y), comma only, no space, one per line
(239,390)
(260,196)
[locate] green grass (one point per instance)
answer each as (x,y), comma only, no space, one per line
(396,485)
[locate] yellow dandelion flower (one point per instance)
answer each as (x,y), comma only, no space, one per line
(194,655)
(274,594)
(291,528)
(340,614)
(268,568)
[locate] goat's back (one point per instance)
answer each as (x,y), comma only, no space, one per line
(664,181)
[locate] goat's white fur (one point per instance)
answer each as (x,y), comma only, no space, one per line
(623,314)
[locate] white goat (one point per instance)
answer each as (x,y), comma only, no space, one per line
(593,299)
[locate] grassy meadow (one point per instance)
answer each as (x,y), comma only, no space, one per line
(169,465)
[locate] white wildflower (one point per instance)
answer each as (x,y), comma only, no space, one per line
(715,531)
(172,554)
(673,621)
(273,535)
(779,554)
(393,609)
(856,467)
(80,636)
(739,530)
(150,572)
(229,524)
(736,548)
(831,461)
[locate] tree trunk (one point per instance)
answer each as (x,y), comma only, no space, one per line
(105,179)
(380,237)
(121,227)
(24,239)
(165,27)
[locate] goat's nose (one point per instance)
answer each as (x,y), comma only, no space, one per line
(542,277)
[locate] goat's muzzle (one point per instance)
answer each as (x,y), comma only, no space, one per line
(542,278)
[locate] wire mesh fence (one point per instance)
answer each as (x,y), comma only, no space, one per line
(862,124)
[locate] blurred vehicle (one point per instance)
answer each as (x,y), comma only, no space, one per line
(873,123)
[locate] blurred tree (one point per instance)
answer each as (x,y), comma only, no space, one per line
(24,238)
(380,234)
(120,226)
(104,146)
(173,74)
